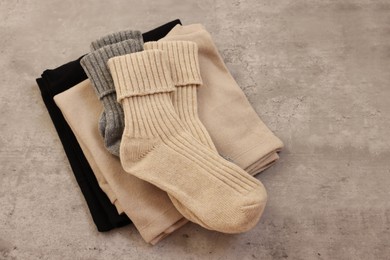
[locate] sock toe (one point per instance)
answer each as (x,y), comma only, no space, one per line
(251,212)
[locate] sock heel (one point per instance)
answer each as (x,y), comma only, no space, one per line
(135,149)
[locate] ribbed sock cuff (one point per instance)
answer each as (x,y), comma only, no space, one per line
(110,102)
(141,74)
(95,64)
(115,38)
(182,60)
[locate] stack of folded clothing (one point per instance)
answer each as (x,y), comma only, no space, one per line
(158,133)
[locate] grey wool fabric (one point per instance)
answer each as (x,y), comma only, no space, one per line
(115,38)
(111,123)
(107,40)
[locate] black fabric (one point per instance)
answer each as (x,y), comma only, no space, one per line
(160,32)
(55,81)
(103,213)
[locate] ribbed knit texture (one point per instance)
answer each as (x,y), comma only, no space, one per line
(108,40)
(184,66)
(115,38)
(235,127)
(157,148)
(111,123)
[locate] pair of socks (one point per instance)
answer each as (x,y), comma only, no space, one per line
(165,144)
(184,69)
(102,208)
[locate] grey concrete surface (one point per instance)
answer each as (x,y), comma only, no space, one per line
(317,72)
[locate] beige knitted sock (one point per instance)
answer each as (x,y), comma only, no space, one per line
(184,66)
(156,147)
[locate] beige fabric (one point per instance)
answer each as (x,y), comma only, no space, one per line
(157,148)
(101,180)
(148,207)
(235,128)
(184,67)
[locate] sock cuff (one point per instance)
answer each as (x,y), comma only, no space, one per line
(140,74)
(95,64)
(182,60)
(115,38)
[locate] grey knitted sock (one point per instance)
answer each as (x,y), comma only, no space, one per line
(107,40)
(95,66)
(115,38)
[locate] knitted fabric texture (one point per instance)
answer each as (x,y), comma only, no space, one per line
(111,123)
(184,66)
(115,38)
(222,104)
(157,148)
